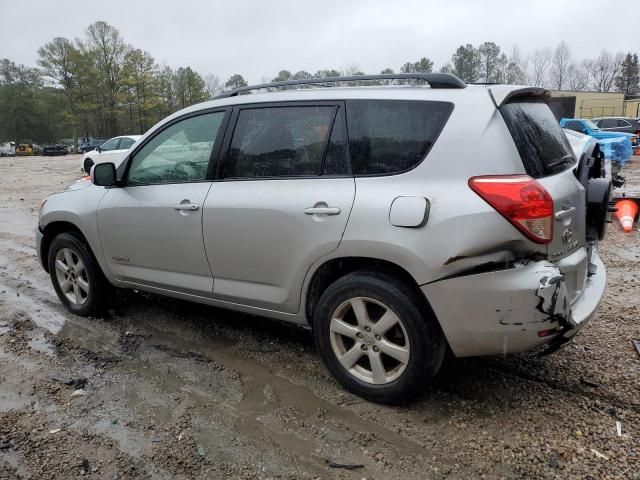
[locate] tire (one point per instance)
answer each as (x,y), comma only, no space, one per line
(415,337)
(88,163)
(86,290)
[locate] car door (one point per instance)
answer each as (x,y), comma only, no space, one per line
(625,126)
(281,201)
(117,156)
(151,227)
(610,124)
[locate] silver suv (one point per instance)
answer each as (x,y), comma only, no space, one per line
(399,222)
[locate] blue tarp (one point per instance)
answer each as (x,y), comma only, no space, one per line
(618,150)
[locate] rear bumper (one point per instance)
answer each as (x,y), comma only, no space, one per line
(503,311)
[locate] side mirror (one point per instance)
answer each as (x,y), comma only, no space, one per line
(99,149)
(585,131)
(104,174)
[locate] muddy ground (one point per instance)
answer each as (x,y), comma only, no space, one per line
(165,389)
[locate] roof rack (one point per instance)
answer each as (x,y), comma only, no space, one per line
(435,80)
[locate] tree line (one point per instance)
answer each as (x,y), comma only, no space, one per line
(100,86)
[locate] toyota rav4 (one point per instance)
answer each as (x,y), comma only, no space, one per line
(374,215)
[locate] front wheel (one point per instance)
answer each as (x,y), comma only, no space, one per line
(378,337)
(76,276)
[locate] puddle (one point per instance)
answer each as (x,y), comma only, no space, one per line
(228,396)
(40,343)
(42,315)
(15,383)
(129,440)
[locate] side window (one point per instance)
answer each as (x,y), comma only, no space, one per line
(608,123)
(279,142)
(179,153)
(623,123)
(575,126)
(126,143)
(391,136)
(110,145)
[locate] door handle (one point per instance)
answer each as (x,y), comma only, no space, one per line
(322,211)
(186,206)
(562,214)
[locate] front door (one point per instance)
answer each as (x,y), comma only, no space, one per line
(281,201)
(151,227)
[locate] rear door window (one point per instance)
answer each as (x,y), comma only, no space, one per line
(608,123)
(392,136)
(543,147)
(126,143)
(280,142)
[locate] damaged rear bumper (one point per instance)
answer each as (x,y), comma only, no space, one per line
(505,311)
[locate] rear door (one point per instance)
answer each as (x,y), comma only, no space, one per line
(547,156)
(281,201)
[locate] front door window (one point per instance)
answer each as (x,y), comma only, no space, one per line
(179,153)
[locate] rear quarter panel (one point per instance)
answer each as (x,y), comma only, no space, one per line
(462,230)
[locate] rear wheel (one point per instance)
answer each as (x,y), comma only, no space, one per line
(88,163)
(76,276)
(378,337)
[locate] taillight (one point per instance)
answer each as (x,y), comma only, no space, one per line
(521,200)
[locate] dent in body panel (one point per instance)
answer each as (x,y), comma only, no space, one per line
(497,311)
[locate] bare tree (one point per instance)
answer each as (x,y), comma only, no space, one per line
(518,59)
(352,69)
(540,61)
(560,64)
(513,67)
(604,69)
(213,85)
(578,77)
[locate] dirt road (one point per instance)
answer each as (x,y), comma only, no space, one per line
(164,389)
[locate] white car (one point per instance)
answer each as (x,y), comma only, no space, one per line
(113,151)
(7,149)
(579,143)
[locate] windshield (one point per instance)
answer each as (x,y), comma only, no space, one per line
(591,125)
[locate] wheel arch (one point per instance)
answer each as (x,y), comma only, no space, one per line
(53,229)
(84,164)
(335,268)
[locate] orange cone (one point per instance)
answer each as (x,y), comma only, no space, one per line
(626,213)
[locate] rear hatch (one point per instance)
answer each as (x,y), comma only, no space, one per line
(548,157)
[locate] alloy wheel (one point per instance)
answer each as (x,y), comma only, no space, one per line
(369,340)
(72,276)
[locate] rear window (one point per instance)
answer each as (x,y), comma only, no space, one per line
(391,136)
(542,144)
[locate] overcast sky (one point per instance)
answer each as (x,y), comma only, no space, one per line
(258,38)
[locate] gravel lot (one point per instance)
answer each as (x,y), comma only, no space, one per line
(164,389)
